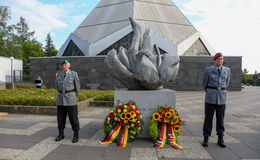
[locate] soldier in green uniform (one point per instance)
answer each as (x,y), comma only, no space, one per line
(68,87)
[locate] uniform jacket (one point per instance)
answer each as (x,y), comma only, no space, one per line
(212,78)
(67,87)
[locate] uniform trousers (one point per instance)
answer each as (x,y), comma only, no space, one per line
(72,112)
(209,114)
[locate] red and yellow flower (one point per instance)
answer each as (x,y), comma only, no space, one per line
(177,128)
(165,122)
(156,116)
(125,117)
(168,114)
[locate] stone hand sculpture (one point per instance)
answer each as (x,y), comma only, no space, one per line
(142,66)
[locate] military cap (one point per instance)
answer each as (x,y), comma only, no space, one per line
(217,55)
(64,61)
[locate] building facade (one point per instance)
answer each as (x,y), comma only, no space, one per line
(11,69)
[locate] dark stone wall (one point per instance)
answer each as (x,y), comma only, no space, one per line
(191,70)
(93,74)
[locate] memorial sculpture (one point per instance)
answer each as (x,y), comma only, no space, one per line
(142,66)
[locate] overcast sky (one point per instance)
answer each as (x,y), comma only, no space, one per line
(230,26)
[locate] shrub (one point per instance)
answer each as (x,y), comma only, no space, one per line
(31,97)
(24,85)
(46,97)
(105,97)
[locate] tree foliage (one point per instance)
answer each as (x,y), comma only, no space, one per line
(49,48)
(17,40)
(6,36)
(30,48)
(22,31)
(250,79)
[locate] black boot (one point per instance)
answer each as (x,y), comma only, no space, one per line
(205,141)
(60,136)
(221,142)
(75,137)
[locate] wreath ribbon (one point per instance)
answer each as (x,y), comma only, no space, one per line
(122,140)
(172,138)
(123,136)
(162,137)
(112,135)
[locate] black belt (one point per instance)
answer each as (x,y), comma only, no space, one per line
(218,88)
(68,91)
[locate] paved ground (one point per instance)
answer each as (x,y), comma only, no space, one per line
(26,137)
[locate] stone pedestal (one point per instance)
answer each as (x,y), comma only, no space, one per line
(147,101)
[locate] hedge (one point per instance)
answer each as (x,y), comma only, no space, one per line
(46,97)
(24,85)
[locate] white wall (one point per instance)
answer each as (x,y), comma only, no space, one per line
(5,67)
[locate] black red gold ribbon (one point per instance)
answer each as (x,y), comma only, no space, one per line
(122,140)
(172,138)
(112,135)
(162,137)
(123,136)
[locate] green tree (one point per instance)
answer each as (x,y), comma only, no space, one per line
(30,48)
(251,81)
(49,48)
(245,76)
(17,40)
(6,36)
(256,78)
(22,31)
(248,78)
(258,82)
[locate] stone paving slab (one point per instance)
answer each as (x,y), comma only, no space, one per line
(29,137)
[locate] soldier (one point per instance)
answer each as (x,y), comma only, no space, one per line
(215,81)
(68,87)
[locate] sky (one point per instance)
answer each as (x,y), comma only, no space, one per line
(230,26)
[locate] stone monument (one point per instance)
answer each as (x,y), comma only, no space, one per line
(143,70)
(142,66)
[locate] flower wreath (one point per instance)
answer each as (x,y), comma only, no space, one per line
(165,121)
(122,124)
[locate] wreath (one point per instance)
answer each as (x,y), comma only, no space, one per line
(122,124)
(165,126)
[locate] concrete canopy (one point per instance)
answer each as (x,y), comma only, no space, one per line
(109,22)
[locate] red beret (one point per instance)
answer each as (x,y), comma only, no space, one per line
(217,55)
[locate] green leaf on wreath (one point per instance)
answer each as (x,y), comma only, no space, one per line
(153,129)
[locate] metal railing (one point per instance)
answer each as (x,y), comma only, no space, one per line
(13,79)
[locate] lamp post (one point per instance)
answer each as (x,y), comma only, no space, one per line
(12,58)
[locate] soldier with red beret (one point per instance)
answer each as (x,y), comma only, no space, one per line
(216,79)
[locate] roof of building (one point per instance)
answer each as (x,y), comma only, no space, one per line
(109,22)
(162,16)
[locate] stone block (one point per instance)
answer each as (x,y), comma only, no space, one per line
(9,109)
(102,103)
(83,104)
(28,109)
(48,110)
(147,101)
